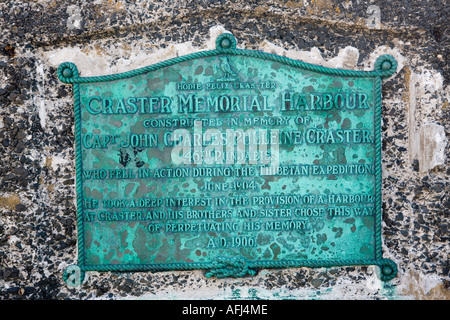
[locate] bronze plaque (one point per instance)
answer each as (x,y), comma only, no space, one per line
(229,160)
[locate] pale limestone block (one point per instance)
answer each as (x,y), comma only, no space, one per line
(432,146)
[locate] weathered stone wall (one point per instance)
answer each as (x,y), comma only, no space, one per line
(37,193)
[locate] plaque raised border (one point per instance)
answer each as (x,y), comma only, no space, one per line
(384,67)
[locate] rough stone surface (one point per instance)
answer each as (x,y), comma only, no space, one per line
(37,193)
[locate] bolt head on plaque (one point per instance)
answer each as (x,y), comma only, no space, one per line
(225,43)
(386,66)
(67,73)
(387,270)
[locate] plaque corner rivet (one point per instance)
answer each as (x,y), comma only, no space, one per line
(67,73)
(386,66)
(388,269)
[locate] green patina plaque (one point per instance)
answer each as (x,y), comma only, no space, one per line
(229,160)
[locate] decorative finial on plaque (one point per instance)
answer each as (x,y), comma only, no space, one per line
(388,269)
(67,72)
(385,65)
(226,41)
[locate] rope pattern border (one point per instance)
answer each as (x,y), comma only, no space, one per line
(240,267)
(384,67)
